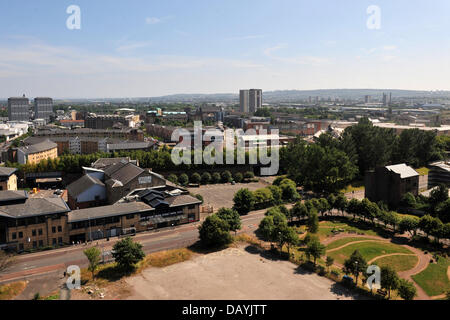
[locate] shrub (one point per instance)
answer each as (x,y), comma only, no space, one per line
(243,201)
(206,178)
(238,177)
(278,180)
(127,253)
(172,178)
(216,177)
(226,176)
(183,179)
(195,178)
(199,197)
(249,175)
(214,232)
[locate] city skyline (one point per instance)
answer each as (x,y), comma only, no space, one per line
(158,49)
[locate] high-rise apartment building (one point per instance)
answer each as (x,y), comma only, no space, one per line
(250,100)
(43,108)
(18,109)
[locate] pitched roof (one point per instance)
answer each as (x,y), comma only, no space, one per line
(403,170)
(10,195)
(38,147)
(108,211)
(105,162)
(5,171)
(125,173)
(34,207)
(181,200)
(85,182)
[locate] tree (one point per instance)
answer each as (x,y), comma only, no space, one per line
(314,249)
(438,195)
(238,177)
(443,211)
(285,235)
(313,221)
(429,225)
(183,179)
(127,253)
(353,207)
(329,262)
(231,217)
(276,194)
(206,178)
(226,176)
(172,178)
(243,201)
(299,210)
(409,224)
(216,177)
(93,255)
(196,178)
(355,265)
(214,232)
(406,289)
(324,206)
(266,227)
(392,218)
(289,190)
(341,203)
(389,279)
(331,201)
(408,200)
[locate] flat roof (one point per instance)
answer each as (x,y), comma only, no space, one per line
(117,209)
(403,170)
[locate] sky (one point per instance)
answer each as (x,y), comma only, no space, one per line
(147,48)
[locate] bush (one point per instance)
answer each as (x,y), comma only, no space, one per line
(214,232)
(249,175)
(183,179)
(216,177)
(127,253)
(172,178)
(226,176)
(195,178)
(199,197)
(238,177)
(243,201)
(206,178)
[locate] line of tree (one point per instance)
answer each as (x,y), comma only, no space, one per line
(208,178)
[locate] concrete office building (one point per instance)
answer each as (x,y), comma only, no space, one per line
(18,109)
(250,100)
(43,108)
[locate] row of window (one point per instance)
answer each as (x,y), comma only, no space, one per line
(35,232)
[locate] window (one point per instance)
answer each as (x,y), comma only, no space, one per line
(130,216)
(34,244)
(14,235)
(59,229)
(192,206)
(33,232)
(54,241)
(20,246)
(60,240)
(20,235)
(40,232)
(41,243)
(54,229)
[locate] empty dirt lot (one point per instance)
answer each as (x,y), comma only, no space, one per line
(221,195)
(235,273)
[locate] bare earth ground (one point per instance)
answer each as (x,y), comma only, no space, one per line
(221,195)
(235,273)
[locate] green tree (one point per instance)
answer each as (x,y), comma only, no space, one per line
(266,227)
(406,289)
(127,253)
(196,178)
(214,232)
(355,265)
(353,207)
(341,203)
(183,179)
(288,190)
(206,178)
(299,210)
(324,206)
(329,262)
(408,200)
(313,221)
(389,279)
(249,175)
(314,249)
(429,225)
(231,217)
(409,224)
(276,194)
(93,255)
(172,178)
(243,201)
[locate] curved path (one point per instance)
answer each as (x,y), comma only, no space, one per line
(352,243)
(390,255)
(422,264)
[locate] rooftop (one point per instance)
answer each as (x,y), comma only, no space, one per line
(108,211)
(34,207)
(11,195)
(85,182)
(6,172)
(403,170)
(38,147)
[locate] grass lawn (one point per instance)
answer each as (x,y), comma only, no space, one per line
(326,227)
(434,279)
(11,290)
(369,250)
(356,186)
(399,263)
(341,242)
(423,171)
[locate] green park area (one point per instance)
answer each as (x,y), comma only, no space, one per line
(398,262)
(434,279)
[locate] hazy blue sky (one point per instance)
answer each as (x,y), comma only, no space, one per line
(141,48)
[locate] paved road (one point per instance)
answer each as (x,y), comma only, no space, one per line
(33,265)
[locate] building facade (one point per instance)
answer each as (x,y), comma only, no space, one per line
(35,153)
(8,179)
(43,108)
(18,109)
